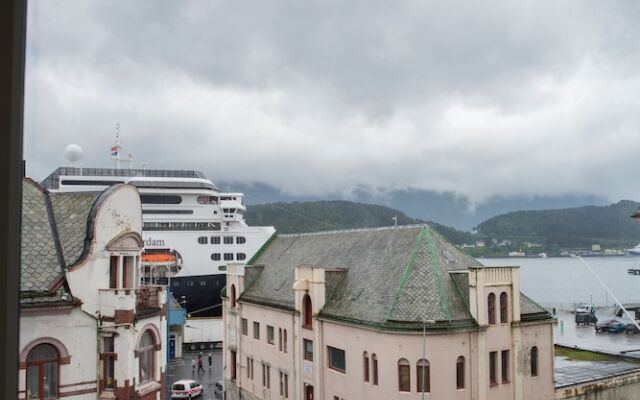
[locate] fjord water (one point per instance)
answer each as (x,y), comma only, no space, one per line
(564,281)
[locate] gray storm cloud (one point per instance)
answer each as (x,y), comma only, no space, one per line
(484,99)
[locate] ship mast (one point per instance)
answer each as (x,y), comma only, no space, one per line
(115,149)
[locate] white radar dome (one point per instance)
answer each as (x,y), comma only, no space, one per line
(73,152)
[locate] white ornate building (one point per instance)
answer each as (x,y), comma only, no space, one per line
(87,329)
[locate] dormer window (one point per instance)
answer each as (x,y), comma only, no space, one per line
(307,312)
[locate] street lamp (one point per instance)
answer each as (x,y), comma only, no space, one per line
(424,350)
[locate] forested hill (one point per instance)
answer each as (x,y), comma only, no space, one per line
(313,216)
(569,227)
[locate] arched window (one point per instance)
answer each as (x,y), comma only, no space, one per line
(232,296)
(503,307)
(365,366)
(307,312)
(404,375)
(491,308)
(423,376)
(460,373)
(43,365)
(147,356)
(374,368)
(534,361)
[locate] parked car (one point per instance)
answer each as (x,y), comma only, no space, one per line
(616,327)
(186,389)
(585,314)
(604,325)
(631,328)
(218,390)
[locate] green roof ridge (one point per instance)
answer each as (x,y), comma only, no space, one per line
(405,275)
(262,249)
(436,272)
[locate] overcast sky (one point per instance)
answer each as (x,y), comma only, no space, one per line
(481,98)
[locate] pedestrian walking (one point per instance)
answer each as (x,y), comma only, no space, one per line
(210,361)
(200,368)
(193,364)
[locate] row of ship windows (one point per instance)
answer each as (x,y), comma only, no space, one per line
(174,199)
(228,256)
(223,239)
(181,226)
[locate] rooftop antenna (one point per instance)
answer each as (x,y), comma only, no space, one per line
(115,149)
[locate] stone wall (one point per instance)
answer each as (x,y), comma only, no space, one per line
(618,387)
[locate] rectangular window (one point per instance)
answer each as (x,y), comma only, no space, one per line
(232,361)
(365,367)
(216,257)
(113,272)
(248,368)
(505,366)
(228,240)
(337,360)
(270,334)
(308,349)
(256,330)
(245,326)
(279,339)
(286,386)
(108,357)
(374,367)
(493,366)
(228,256)
(281,384)
(215,239)
(266,376)
(284,340)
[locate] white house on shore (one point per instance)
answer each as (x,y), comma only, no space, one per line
(386,313)
(87,329)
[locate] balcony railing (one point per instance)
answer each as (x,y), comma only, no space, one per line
(143,301)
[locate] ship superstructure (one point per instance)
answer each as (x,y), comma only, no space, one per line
(191,231)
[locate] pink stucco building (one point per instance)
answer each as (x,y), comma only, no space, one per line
(387,313)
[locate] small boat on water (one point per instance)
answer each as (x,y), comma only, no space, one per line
(635,251)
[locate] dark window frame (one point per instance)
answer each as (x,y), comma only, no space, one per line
(404,375)
(337,359)
(307,349)
(504,307)
(491,308)
(493,368)
(423,376)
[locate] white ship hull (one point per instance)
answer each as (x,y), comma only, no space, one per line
(183,213)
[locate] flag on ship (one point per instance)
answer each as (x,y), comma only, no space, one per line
(114,150)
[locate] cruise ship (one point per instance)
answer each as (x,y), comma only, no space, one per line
(191,231)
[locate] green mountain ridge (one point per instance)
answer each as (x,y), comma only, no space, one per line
(579,227)
(554,229)
(314,216)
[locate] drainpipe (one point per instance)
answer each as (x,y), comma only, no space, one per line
(98,391)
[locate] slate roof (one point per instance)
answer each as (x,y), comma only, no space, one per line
(54,227)
(71,211)
(393,277)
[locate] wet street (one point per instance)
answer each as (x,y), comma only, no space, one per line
(181,369)
(567,333)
